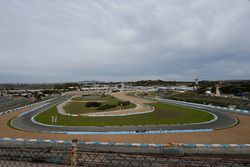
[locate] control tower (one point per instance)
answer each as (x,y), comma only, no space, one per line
(196,84)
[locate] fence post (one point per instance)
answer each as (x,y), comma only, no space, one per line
(74,153)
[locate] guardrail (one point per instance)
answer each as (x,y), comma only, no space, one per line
(29,105)
(204,105)
(141,132)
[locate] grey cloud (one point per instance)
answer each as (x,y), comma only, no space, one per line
(60,40)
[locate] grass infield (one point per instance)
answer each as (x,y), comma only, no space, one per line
(77,106)
(163,114)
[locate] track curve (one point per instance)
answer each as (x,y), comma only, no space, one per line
(24,122)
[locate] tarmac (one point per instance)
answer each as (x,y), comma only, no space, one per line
(24,122)
(237,134)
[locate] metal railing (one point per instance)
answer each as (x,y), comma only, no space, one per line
(75,155)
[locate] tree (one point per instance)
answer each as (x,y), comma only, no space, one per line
(93,104)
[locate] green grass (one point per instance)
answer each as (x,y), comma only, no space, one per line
(214,100)
(163,114)
(80,108)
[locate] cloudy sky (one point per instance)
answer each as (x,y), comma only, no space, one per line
(74,40)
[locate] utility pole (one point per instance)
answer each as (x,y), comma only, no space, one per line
(74,153)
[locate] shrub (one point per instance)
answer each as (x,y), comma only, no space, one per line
(106,107)
(93,104)
(124,103)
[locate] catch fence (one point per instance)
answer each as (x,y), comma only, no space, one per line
(77,155)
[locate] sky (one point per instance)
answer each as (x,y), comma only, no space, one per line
(124,40)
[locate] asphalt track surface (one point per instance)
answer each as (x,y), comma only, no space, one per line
(23,122)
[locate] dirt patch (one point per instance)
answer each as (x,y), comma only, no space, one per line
(124,96)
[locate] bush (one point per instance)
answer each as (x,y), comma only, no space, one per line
(124,103)
(106,107)
(93,104)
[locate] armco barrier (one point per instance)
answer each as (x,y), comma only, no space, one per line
(204,105)
(138,132)
(41,106)
(29,105)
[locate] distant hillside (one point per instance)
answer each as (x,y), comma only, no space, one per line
(158,83)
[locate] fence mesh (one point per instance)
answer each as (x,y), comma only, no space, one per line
(67,155)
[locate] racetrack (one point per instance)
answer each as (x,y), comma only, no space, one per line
(24,122)
(234,135)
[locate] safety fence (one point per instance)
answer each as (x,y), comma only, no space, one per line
(10,141)
(63,157)
(67,153)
